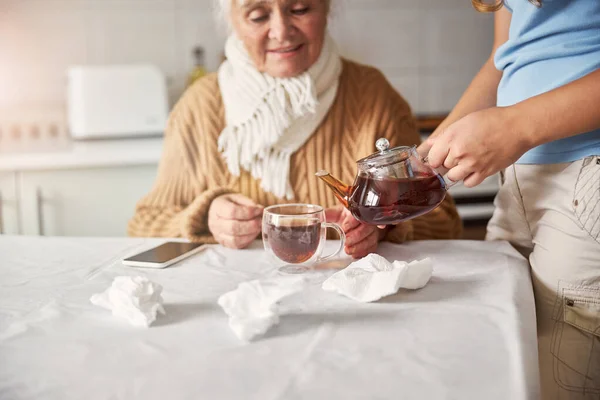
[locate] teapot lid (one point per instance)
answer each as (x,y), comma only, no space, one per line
(385,156)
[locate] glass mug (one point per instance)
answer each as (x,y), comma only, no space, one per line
(294,236)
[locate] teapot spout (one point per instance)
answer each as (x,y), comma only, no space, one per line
(341,190)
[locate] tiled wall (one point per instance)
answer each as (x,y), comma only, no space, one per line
(429,49)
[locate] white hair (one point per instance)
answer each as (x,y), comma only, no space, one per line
(222,9)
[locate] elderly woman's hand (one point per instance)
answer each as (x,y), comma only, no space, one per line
(361,239)
(234,220)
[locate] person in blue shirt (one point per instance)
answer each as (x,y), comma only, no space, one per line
(532,114)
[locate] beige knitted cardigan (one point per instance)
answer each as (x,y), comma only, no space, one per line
(192,172)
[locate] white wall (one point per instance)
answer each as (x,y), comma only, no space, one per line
(429,49)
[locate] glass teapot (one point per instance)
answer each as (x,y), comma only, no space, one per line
(391,186)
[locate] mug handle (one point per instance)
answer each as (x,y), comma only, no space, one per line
(441,172)
(340,232)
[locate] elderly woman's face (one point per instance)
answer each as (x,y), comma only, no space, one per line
(283,37)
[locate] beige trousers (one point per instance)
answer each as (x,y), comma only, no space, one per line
(551,213)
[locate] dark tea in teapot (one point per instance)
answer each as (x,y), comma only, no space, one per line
(391,186)
(390,200)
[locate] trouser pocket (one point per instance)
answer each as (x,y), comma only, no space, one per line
(576,339)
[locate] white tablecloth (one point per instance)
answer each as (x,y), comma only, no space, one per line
(469,334)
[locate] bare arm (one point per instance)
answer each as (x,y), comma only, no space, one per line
(481,93)
(563,112)
(488,140)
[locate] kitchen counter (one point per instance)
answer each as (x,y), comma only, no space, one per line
(147,151)
(87,154)
(82,154)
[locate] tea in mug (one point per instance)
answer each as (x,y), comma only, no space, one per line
(294,240)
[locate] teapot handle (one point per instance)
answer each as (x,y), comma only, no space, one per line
(441,172)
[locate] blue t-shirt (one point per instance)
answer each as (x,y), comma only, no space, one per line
(549,47)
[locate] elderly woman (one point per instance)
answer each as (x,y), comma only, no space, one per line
(283,106)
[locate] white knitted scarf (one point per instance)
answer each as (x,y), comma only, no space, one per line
(268,119)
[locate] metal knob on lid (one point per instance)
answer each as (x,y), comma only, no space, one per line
(382,144)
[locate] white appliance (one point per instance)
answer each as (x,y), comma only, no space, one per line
(116,101)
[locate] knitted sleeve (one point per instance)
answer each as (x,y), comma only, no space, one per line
(395,122)
(178,203)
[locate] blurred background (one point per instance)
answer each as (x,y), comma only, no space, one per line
(86,85)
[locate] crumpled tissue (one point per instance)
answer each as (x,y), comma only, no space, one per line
(253,306)
(137,299)
(373,277)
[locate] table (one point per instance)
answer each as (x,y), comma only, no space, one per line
(469,334)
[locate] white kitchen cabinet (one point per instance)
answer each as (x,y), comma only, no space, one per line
(9,204)
(83,201)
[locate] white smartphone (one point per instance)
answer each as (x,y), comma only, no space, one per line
(164,255)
